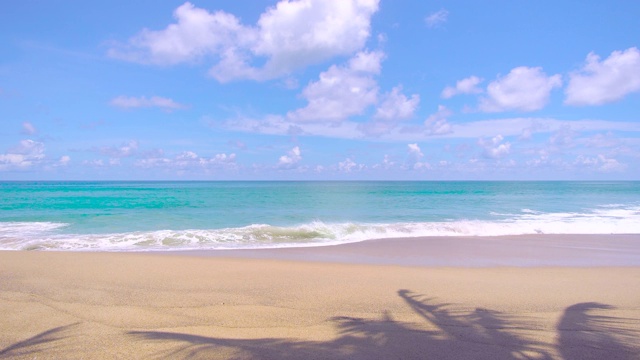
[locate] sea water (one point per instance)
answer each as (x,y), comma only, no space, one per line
(152,216)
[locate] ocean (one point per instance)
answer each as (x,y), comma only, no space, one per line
(158,216)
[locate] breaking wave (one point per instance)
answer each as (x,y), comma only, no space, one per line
(609,219)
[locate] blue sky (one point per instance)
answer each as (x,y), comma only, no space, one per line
(319,89)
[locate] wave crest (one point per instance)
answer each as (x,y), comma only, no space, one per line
(48,235)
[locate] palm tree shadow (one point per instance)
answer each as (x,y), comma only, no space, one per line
(41,343)
(446,334)
(584,333)
(493,331)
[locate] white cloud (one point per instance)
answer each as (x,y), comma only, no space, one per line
(375,128)
(599,82)
(600,163)
(523,89)
(291,159)
(367,62)
(64,160)
(562,137)
(220,159)
(125,150)
(131,102)
(414,150)
(421,166)
(437,18)
(465,86)
(25,155)
(93,163)
(341,92)
(415,154)
(396,106)
(187,160)
(387,162)
(349,165)
(602,141)
(290,36)
(495,148)
(277,125)
(196,33)
(28,128)
(436,124)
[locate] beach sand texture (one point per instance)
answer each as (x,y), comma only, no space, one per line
(58,305)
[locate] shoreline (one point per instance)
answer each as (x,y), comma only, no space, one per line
(530,250)
(459,251)
(319,304)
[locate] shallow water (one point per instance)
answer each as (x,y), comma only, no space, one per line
(135,216)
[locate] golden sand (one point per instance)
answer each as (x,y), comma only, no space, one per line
(134,306)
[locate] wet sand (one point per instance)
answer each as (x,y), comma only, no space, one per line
(537,297)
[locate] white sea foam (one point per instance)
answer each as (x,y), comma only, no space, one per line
(48,236)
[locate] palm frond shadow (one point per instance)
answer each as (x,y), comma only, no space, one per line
(449,334)
(43,342)
(585,333)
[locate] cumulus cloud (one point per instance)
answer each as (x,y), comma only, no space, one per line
(23,156)
(341,91)
(392,109)
(437,18)
(28,128)
(195,34)
(132,102)
(523,89)
(396,105)
(414,150)
(437,124)
(416,155)
(291,159)
(349,165)
(494,148)
(465,86)
(288,36)
(601,82)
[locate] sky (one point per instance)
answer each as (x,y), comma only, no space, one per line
(320,90)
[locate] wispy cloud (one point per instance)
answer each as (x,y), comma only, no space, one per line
(437,18)
(28,128)
(132,102)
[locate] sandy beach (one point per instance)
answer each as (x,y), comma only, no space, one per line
(535,297)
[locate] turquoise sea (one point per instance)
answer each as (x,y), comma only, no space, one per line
(144,216)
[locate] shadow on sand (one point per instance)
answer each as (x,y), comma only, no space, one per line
(43,343)
(583,334)
(446,334)
(585,331)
